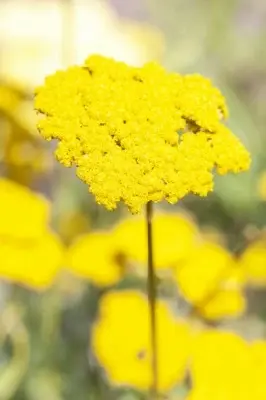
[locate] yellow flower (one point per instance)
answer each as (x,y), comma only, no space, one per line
(30,254)
(22,150)
(224,366)
(138,134)
(23,214)
(225,303)
(201,273)
(220,366)
(121,341)
(253,261)
(34,263)
(174,236)
(228,300)
(96,257)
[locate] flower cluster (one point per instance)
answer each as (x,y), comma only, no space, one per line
(225,366)
(30,253)
(128,362)
(204,273)
(138,134)
(216,361)
(22,151)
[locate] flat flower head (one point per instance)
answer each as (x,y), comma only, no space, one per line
(138,134)
(121,342)
(95,257)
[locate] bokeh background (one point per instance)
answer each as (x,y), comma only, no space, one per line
(44,325)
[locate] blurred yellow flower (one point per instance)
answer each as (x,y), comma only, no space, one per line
(220,366)
(200,274)
(224,366)
(30,254)
(24,214)
(138,134)
(225,303)
(96,257)
(212,281)
(228,300)
(174,236)
(253,261)
(34,263)
(22,151)
(121,341)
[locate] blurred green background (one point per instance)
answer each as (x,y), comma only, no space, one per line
(44,337)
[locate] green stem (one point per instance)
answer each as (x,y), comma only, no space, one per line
(152,304)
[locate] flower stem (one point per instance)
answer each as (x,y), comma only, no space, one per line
(151,286)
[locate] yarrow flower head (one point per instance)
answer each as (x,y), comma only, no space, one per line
(138,134)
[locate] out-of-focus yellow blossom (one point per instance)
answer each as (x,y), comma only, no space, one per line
(174,236)
(220,366)
(121,341)
(212,281)
(30,254)
(34,263)
(138,134)
(23,213)
(253,261)
(22,150)
(96,257)
(199,275)
(228,300)
(224,366)
(225,303)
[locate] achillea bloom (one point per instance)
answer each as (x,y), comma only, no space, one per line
(30,254)
(33,263)
(220,367)
(22,150)
(23,213)
(199,275)
(224,366)
(96,258)
(253,261)
(138,134)
(174,236)
(211,280)
(121,341)
(228,300)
